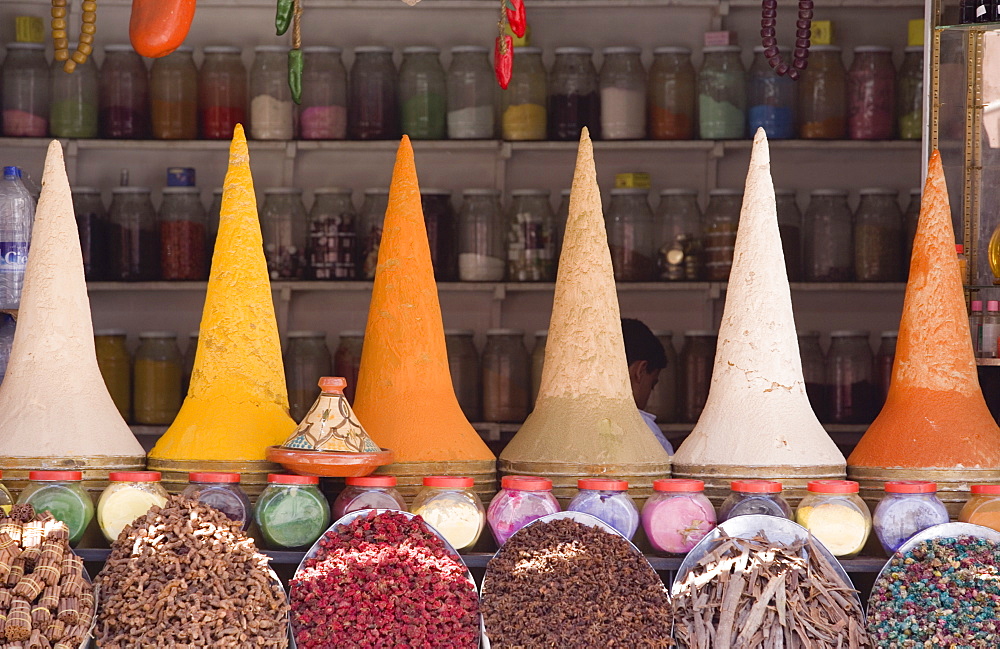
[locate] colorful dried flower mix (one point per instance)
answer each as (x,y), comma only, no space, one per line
(942,593)
(384,580)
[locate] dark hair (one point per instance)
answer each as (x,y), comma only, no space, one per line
(642,345)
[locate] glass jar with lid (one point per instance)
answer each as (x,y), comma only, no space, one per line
(372,102)
(182,235)
(790,230)
(482,249)
(92,225)
(623,94)
(124,89)
(630,235)
(333,236)
(463,361)
(135,235)
(754,497)
(521,500)
(222,92)
(422,94)
(608,500)
(368,492)
(574,100)
(370,229)
(74,100)
(850,375)
(814,373)
(677,516)
(157,378)
(221,491)
(129,496)
(61,493)
(722,218)
(531,253)
(323,111)
(884,359)
(307,358)
(506,370)
(827,239)
(291,512)
(471,94)
(772,101)
(26,91)
(822,89)
(451,507)
(910,218)
(681,236)
(908,507)
(442,231)
(697,359)
(910,94)
(671,94)
(272,111)
(835,514)
(347,360)
(283,225)
(722,94)
(523,103)
(6,500)
(115,364)
(983,507)
(663,398)
(173,91)
(871,94)
(878,236)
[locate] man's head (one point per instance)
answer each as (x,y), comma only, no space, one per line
(645,357)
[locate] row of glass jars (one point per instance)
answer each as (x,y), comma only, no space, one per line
(176,100)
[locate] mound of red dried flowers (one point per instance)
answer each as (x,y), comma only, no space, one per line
(384,580)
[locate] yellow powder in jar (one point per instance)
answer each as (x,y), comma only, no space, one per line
(458,521)
(524,122)
(122,506)
(843,530)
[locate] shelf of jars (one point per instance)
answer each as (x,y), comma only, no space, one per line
(535,4)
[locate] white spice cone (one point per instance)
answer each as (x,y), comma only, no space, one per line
(585,412)
(757,413)
(53,401)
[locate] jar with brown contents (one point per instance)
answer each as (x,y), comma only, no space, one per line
(116,367)
(697,360)
(827,244)
(173,89)
(823,95)
(722,218)
(878,236)
(630,235)
(506,376)
(463,361)
(157,378)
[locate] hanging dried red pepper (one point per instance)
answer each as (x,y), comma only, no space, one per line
(503,51)
(516,17)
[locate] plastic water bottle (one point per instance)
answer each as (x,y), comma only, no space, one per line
(6,340)
(17,212)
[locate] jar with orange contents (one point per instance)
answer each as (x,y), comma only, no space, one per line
(983,508)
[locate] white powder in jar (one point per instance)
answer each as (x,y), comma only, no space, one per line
(271,118)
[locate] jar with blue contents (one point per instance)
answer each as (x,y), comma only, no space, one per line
(609,501)
(909,507)
(772,100)
(754,497)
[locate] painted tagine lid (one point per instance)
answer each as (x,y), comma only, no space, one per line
(331,425)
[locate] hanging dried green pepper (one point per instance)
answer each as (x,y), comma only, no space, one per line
(283,17)
(295,74)
(516,17)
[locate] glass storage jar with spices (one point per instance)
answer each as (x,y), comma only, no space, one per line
(772,101)
(983,508)
(285,231)
(850,374)
(323,112)
(722,94)
(129,495)
(623,94)
(681,236)
(333,237)
(722,218)
(523,103)
(671,92)
(521,499)
(574,99)
(223,492)
(291,512)
(26,91)
(135,235)
(368,492)
(814,373)
(749,497)
(92,225)
(372,103)
(75,101)
(370,223)
(827,243)
(115,364)
(182,235)
(822,89)
(307,358)
(677,516)
(908,507)
(422,94)
(910,94)
(450,506)
(347,360)
(790,230)
(471,94)
(272,111)
(222,92)
(630,235)
(61,493)
(531,253)
(482,249)
(124,90)
(871,93)
(173,91)
(506,376)
(157,378)
(463,361)
(608,500)
(697,358)
(442,231)
(835,514)
(878,236)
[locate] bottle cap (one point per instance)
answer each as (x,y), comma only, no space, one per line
(992,489)
(833,487)
(286,478)
(959,248)
(134,476)
(602,484)
(53,476)
(993,305)
(910,487)
(756,486)
(213,477)
(448,482)
(372,481)
(525,483)
(977,305)
(671,485)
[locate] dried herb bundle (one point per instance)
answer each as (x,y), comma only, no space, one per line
(754,593)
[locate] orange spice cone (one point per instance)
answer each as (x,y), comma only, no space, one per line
(935,424)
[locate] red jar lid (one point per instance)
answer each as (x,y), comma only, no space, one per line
(47,476)
(134,476)
(756,486)
(448,481)
(231,478)
(602,484)
(525,483)
(833,487)
(288,478)
(910,487)
(991,489)
(372,481)
(678,485)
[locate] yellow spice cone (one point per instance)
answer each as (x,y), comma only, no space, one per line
(237,404)
(405,397)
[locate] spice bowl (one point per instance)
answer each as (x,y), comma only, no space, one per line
(329,464)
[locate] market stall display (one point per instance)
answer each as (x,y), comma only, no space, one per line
(757,422)
(935,424)
(55,338)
